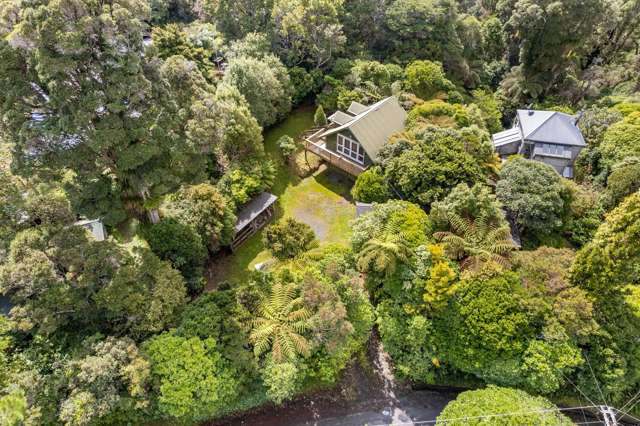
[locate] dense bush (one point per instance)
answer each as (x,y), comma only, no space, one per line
(288,238)
(473,406)
(371,187)
(533,194)
(287,146)
(427,80)
(469,203)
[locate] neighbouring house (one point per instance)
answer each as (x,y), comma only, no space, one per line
(547,136)
(352,139)
(252,217)
(94,226)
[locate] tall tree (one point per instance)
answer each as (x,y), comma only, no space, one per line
(78,92)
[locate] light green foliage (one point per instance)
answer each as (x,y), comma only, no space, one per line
(426,167)
(583,215)
(288,238)
(442,281)
(190,377)
(496,400)
(532,192)
(244,182)
(287,146)
(594,123)
(112,374)
(427,80)
(469,202)
(545,364)
(281,380)
(621,140)
(144,296)
(253,45)
(373,75)
(627,108)
(182,246)
(207,211)
(487,329)
(490,108)
(441,114)
(307,31)
(172,40)
(623,181)
(493,39)
(370,187)
(476,242)
(12,408)
(392,217)
(319,118)
(265,85)
(237,18)
(383,255)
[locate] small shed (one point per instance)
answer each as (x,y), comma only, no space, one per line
(252,217)
(94,226)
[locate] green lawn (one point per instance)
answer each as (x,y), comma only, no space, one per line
(320,200)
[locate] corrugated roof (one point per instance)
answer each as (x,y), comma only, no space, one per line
(253,209)
(506,137)
(550,127)
(340,118)
(373,127)
(357,108)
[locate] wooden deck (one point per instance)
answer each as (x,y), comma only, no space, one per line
(315,144)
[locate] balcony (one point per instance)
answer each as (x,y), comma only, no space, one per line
(317,145)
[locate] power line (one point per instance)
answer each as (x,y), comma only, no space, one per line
(595,379)
(487,416)
(630,400)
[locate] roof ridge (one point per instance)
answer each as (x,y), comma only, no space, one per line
(553,113)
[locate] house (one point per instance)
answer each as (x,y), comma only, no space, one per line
(95,227)
(547,136)
(352,139)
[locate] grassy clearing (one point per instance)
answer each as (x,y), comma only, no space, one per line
(321,200)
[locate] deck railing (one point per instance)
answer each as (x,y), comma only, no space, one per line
(315,144)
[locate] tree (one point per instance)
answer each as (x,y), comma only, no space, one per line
(425,168)
(308,31)
(287,146)
(427,80)
(12,408)
(548,35)
(207,211)
(182,246)
(532,193)
(623,181)
(101,126)
(477,241)
(288,238)
(512,407)
(383,256)
(189,376)
(319,118)
(621,140)
(282,321)
(490,108)
(111,375)
(370,187)
(468,202)
(235,19)
(172,40)
(265,85)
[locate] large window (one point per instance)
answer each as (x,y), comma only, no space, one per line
(552,149)
(350,149)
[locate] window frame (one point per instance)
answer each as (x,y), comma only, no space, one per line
(350,148)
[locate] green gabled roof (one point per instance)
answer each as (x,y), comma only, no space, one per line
(374,125)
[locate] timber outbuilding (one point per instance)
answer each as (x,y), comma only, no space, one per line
(252,217)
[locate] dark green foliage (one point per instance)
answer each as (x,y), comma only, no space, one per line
(288,238)
(182,246)
(425,168)
(371,187)
(319,118)
(623,181)
(532,192)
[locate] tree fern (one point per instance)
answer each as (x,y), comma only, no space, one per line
(282,321)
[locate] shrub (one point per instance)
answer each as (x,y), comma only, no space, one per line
(287,146)
(288,238)
(319,118)
(496,400)
(426,79)
(623,181)
(182,246)
(370,187)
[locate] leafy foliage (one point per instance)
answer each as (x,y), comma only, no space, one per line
(288,238)
(370,187)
